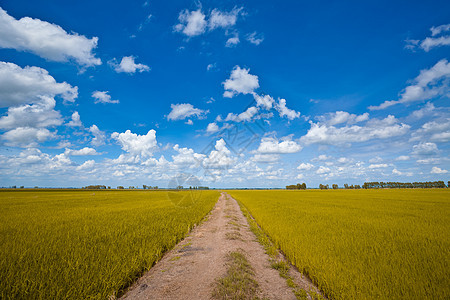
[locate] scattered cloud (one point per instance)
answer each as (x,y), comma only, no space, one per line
(425,149)
(138,145)
(232,41)
(240,82)
(185,110)
(255,38)
(75,120)
(436,170)
(99,136)
(46,40)
(128,65)
(192,23)
(323,170)
(270,145)
(377,166)
(340,117)
(212,128)
(373,129)
(286,112)
(30,84)
(403,158)
(221,19)
(103,97)
(81,152)
(27,137)
(431,83)
(305,166)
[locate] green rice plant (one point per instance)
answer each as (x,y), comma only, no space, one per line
(88,244)
(361,244)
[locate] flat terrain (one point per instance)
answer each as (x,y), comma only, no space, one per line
(89,244)
(362,244)
(191,270)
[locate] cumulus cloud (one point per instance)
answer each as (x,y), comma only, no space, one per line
(265,101)
(270,145)
(40,114)
(99,136)
(192,23)
(305,166)
(402,158)
(221,19)
(240,82)
(286,112)
(232,41)
(425,149)
(128,65)
(220,157)
(27,85)
(435,131)
(185,110)
(323,170)
(378,166)
(436,170)
(340,117)
(255,38)
(81,152)
(212,128)
(103,97)
(26,137)
(433,41)
(245,116)
(139,145)
(265,158)
(373,129)
(75,120)
(47,40)
(429,84)
(186,156)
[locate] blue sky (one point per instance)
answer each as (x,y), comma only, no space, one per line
(234,94)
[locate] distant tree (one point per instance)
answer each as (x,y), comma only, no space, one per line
(36,187)
(119,187)
(346,186)
(323,187)
(303,186)
(109,187)
(144,186)
(335,186)
(22,187)
(13,187)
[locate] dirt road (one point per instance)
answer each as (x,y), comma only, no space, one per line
(191,269)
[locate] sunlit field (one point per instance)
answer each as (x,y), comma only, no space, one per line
(362,244)
(89,244)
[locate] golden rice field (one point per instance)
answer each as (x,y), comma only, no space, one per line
(88,244)
(361,244)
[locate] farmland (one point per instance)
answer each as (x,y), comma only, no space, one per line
(365,244)
(89,244)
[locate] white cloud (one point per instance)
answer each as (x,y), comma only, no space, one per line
(191,23)
(220,19)
(265,101)
(212,128)
(286,112)
(245,116)
(305,166)
(76,120)
(435,131)
(40,114)
(424,149)
(340,117)
(424,111)
(240,81)
(378,166)
(189,122)
(27,85)
(321,157)
(270,145)
(87,165)
(187,156)
(254,38)
(430,42)
(265,158)
(47,40)
(232,41)
(103,97)
(81,152)
(436,170)
(441,28)
(27,137)
(99,136)
(430,83)
(375,159)
(402,158)
(373,129)
(220,157)
(211,67)
(139,145)
(127,65)
(185,110)
(323,170)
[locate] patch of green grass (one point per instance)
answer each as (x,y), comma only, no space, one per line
(80,244)
(238,283)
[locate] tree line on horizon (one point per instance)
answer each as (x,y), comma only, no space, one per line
(378,185)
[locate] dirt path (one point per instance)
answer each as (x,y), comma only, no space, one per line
(190,270)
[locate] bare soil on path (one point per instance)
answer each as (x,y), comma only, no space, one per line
(191,269)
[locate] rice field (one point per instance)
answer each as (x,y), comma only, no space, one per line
(361,244)
(89,244)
